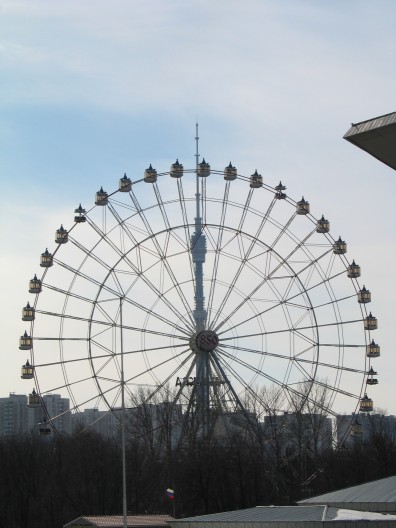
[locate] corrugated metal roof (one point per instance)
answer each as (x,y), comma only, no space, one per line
(339,514)
(371,124)
(377,137)
(383,490)
(275,514)
(116,521)
(264,514)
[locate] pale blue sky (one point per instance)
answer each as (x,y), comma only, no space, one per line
(90,90)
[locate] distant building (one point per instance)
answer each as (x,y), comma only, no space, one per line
(293,431)
(352,428)
(104,423)
(58,408)
(14,418)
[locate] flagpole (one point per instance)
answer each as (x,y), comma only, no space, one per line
(124,498)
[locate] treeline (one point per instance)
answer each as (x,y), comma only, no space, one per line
(48,481)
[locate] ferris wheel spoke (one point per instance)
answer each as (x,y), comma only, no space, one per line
(325,282)
(217,361)
(141,274)
(164,260)
(217,246)
(164,363)
(290,392)
(297,357)
(270,275)
(170,232)
(286,330)
(242,258)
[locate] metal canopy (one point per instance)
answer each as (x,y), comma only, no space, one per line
(376,136)
(379,495)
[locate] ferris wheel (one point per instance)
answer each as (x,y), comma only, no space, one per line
(212,289)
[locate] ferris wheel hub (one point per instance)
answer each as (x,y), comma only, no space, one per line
(204,341)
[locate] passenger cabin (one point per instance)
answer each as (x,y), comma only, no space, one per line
(61,235)
(230,172)
(125,184)
(80,218)
(101,197)
(35,285)
(203,169)
(44,427)
(366,404)
(339,247)
(373,350)
(322,225)
(46,259)
(256,180)
(27,371)
(176,170)
(370,322)
(370,379)
(34,399)
(25,342)
(280,195)
(302,207)
(28,313)
(353,271)
(364,296)
(150,175)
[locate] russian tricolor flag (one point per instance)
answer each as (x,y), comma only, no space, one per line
(170,493)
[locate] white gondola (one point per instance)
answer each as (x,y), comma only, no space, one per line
(370,322)
(176,170)
(25,342)
(256,180)
(28,313)
(80,215)
(373,350)
(203,169)
(230,172)
(353,270)
(150,175)
(61,235)
(46,259)
(364,296)
(27,371)
(101,197)
(366,404)
(125,184)
(339,247)
(35,285)
(302,207)
(34,399)
(322,225)
(280,195)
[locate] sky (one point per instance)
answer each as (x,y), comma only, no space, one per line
(90,90)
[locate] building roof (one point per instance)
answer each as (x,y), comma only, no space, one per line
(376,136)
(116,521)
(379,495)
(263,515)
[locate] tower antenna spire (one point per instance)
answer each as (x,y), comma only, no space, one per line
(196,147)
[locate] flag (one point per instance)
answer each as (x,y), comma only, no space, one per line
(170,493)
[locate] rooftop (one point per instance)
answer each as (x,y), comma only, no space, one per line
(281,514)
(376,136)
(379,495)
(116,521)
